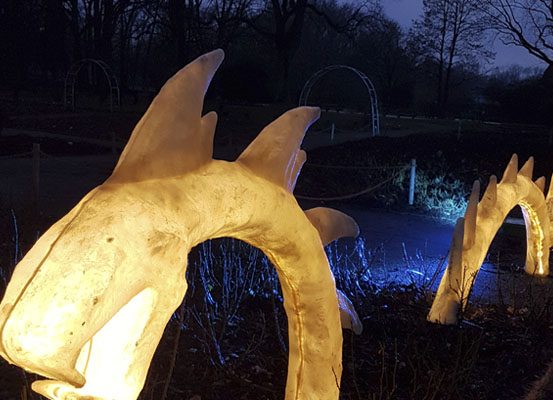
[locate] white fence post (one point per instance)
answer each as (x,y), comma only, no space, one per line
(332,129)
(412,182)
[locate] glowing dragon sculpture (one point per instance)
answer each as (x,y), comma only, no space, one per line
(87,306)
(474,233)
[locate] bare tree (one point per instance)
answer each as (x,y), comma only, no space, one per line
(53,37)
(282,23)
(527,24)
(449,34)
(18,43)
(196,26)
(136,21)
(382,44)
(288,19)
(226,17)
(523,23)
(186,27)
(93,24)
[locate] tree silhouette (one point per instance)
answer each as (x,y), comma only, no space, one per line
(450,33)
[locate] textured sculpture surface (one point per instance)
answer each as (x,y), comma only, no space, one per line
(474,233)
(88,304)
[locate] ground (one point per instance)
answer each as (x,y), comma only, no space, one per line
(500,348)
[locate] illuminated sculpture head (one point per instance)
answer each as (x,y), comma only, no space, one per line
(88,304)
(474,233)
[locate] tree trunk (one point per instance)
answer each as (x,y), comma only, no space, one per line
(457,18)
(284,66)
(75,31)
(440,87)
(123,54)
(107,32)
(287,38)
(54,52)
(96,28)
(439,96)
(177,14)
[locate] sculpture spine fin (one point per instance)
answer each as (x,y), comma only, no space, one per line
(455,261)
(301,158)
(510,174)
(272,154)
(348,315)
(528,168)
(332,224)
(490,195)
(550,191)
(540,183)
(470,216)
(172,138)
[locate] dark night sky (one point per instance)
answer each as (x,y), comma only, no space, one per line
(404,11)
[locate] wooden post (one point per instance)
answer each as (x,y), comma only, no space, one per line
(412,182)
(332,129)
(36,177)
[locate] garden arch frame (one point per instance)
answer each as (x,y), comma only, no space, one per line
(474,233)
(71,79)
(312,81)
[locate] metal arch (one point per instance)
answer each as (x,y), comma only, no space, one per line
(71,78)
(375,119)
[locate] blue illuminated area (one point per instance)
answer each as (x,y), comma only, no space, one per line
(397,247)
(358,267)
(412,250)
(393,249)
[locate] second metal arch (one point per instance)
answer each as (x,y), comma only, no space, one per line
(306,91)
(71,78)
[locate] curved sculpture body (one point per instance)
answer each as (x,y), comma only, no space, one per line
(88,304)
(474,233)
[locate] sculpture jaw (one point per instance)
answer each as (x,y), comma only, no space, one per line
(108,359)
(80,280)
